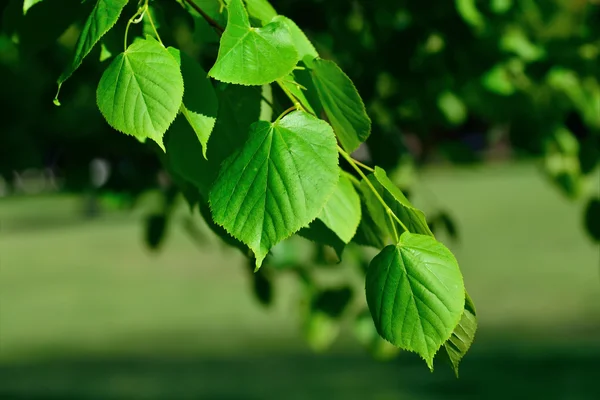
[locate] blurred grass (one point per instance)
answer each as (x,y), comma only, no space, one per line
(87,313)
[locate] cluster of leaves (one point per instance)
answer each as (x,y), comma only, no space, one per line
(259,180)
(467,78)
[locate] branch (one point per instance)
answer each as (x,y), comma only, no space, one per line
(218,28)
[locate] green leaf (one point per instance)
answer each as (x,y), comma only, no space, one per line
(592,219)
(261,10)
(266,54)
(416,294)
(412,217)
(238,109)
(141,91)
(305,48)
(370,231)
(298,92)
(278,182)
(200,104)
(103,17)
(463,336)
(342,103)
(27,4)
(341,214)
(318,232)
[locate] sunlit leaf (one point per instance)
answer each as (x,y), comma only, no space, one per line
(341,214)
(253,56)
(416,294)
(278,182)
(141,91)
(261,10)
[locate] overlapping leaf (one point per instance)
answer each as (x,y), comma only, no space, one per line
(416,294)
(261,9)
(141,91)
(342,103)
(461,339)
(103,17)
(413,218)
(342,212)
(278,182)
(200,104)
(253,56)
(305,48)
(238,108)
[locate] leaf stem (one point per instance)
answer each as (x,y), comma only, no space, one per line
(297,104)
(363,165)
(218,28)
(149,14)
(135,18)
(388,210)
(286,112)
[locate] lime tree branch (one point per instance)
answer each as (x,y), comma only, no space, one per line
(218,28)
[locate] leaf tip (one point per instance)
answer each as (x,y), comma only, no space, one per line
(55,101)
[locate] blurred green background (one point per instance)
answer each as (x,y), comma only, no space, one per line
(485,111)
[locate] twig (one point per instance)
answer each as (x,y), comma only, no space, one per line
(218,28)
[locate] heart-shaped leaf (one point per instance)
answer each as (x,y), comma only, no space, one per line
(416,294)
(141,90)
(253,56)
(278,182)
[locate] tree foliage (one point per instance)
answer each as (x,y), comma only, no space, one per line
(262,144)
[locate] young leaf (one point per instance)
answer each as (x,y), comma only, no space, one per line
(253,56)
(141,91)
(342,103)
(416,294)
(200,102)
(305,48)
(341,214)
(103,17)
(278,182)
(261,9)
(461,339)
(412,217)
